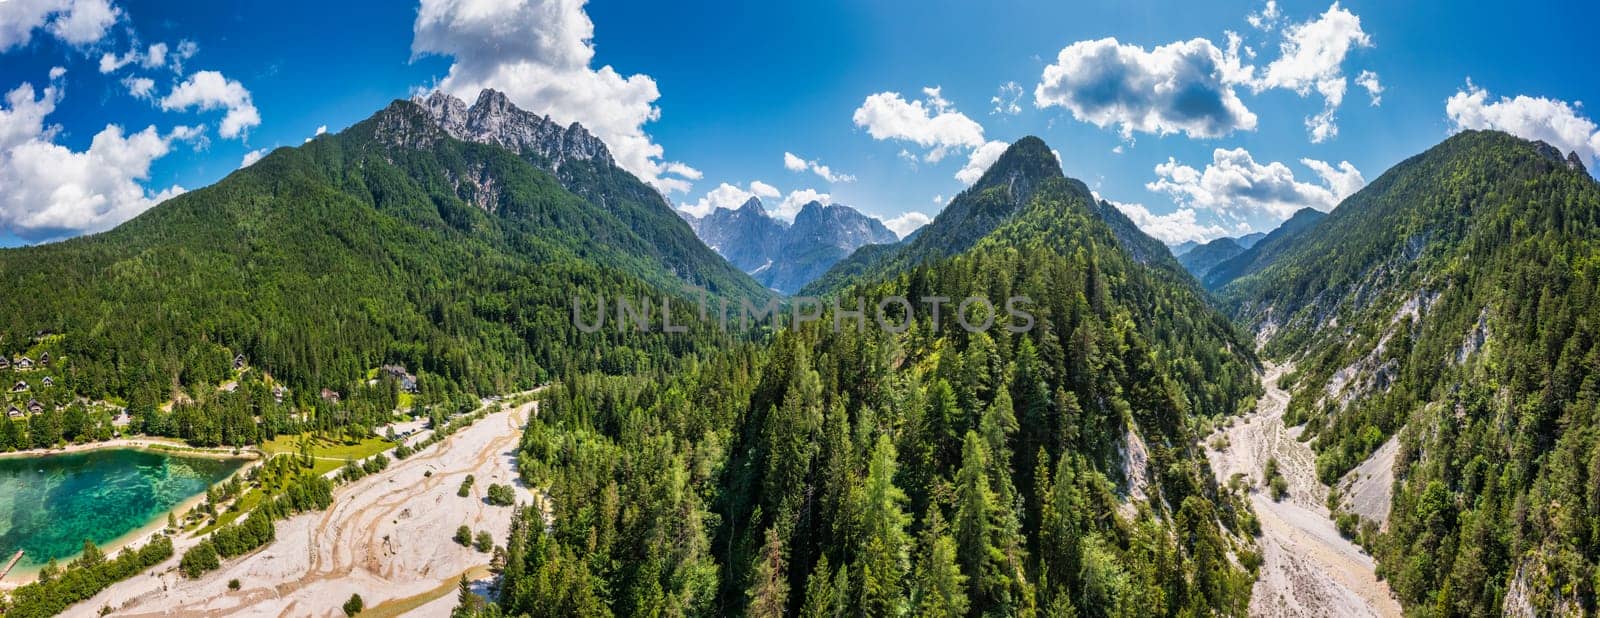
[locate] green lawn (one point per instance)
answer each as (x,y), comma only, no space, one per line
(329,455)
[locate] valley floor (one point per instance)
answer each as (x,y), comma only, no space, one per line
(1307,568)
(387,537)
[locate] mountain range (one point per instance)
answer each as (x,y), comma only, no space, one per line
(785,256)
(1438,334)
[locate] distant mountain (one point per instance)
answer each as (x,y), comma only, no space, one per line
(784,256)
(1184,247)
(1262,252)
(1207,256)
(1444,324)
(747,236)
(1249,240)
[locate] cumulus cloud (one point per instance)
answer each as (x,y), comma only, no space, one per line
(791,204)
(1312,57)
(1185,87)
(539,53)
(320,131)
(75,22)
(981,158)
(208,90)
(906,223)
(1172,228)
(1006,100)
(53,191)
(931,123)
(1537,118)
(730,196)
(1234,184)
(251,157)
(796,163)
(1192,87)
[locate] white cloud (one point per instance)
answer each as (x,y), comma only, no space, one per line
(139,87)
(539,52)
(1267,18)
(939,199)
(110,61)
(1234,184)
(1175,227)
(53,191)
(1006,100)
(982,157)
(1368,81)
(1184,87)
(251,157)
(75,22)
(1312,56)
(930,123)
(1536,118)
(1191,87)
(761,189)
(208,90)
(155,56)
(320,131)
(682,169)
(730,196)
(793,163)
(906,223)
(57,72)
(791,204)
(796,163)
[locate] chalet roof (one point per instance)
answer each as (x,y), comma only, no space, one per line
(20,386)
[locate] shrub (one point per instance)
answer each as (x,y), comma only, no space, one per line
(501,495)
(485,542)
(233,584)
(354,605)
(463,535)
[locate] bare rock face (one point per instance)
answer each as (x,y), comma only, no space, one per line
(493,119)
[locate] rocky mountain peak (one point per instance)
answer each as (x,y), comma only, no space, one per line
(1574,162)
(494,119)
(753,206)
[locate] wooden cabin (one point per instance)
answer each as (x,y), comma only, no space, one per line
(24,363)
(34,407)
(44,359)
(13,412)
(5,363)
(238,362)
(20,386)
(48,381)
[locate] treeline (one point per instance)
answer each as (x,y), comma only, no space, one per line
(306,492)
(935,471)
(82,578)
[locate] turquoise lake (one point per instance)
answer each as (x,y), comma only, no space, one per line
(50,504)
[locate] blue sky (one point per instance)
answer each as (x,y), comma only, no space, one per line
(1194,136)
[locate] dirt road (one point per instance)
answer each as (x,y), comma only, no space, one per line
(1307,568)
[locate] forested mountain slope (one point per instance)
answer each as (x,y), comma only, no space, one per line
(934,471)
(1452,303)
(391,242)
(1263,251)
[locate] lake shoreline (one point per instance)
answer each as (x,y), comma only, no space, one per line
(162,445)
(24,574)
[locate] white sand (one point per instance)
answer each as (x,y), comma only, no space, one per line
(1307,568)
(387,537)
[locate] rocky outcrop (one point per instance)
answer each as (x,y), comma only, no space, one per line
(493,119)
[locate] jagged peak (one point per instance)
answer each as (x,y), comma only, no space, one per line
(753,205)
(494,119)
(1028,159)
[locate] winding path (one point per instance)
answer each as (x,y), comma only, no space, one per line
(1307,568)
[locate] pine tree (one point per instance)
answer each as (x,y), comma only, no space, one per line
(881,562)
(769,590)
(939,587)
(975,530)
(825,592)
